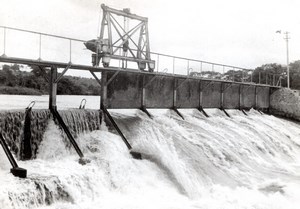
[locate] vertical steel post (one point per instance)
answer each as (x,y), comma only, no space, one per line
(242,76)
(4,41)
(40,47)
(104,89)
(175,93)
(70,51)
(274,79)
(287,58)
(201,67)
(240,97)
(188,67)
(157,62)
(120,53)
(259,77)
(173,65)
(256,98)
(222,96)
(143,92)
(53,87)
(200,94)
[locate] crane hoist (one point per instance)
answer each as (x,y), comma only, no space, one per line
(121,42)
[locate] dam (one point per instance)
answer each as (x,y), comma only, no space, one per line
(156,140)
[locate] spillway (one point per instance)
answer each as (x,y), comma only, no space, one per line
(217,162)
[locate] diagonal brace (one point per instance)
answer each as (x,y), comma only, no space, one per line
(62,73)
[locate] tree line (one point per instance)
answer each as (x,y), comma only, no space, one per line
(14,80)
(271,74)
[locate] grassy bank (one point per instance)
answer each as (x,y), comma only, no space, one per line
(19,90)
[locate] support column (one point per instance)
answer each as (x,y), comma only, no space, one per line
(240,97)
(256,98)
(143,105)
(222,96)
(200,95)
(52,87)
(103,89)
(175,93)
(175,86)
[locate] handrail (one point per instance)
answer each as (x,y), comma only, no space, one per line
(154,53)
(40,33)
(159,57)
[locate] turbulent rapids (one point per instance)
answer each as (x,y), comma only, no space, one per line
(217,162)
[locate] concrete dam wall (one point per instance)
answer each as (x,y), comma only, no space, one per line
(135,90)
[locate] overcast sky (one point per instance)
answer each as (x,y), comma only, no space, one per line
(234,32)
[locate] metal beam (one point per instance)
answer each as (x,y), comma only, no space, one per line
(144,109)
(52,88)
(210,82)
(175,93)
(62,74)
(202,110)
(135,155)
(177,112)
(66,130)
(122,36)
(240,97)
(129,34)
(151,80)
(226,113)
(178,86)
(122,13)
(226,88)
(16,170)
(243,111)
(112,78)
(96,78)
(44,74)
(103,89)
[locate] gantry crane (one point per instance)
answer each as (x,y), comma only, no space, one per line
(120,41)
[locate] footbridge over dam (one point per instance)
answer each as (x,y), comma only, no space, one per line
(128,88)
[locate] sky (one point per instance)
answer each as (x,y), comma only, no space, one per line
(233,32)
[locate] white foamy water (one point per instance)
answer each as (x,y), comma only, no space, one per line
(217,162)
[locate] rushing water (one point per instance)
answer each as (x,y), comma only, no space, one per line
(217,162)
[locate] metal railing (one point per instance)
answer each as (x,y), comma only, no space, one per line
(167,64)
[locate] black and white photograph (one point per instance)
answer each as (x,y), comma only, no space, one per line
(139,104)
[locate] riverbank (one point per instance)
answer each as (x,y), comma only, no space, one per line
(17,90)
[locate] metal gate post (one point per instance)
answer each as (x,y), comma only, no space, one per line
(53,87)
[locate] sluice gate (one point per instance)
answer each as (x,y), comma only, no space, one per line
(121,90)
